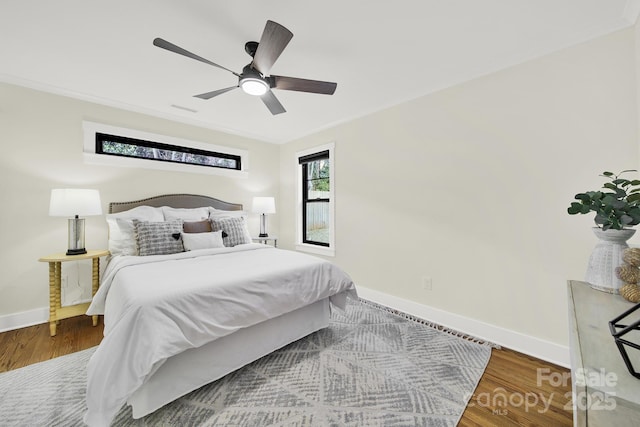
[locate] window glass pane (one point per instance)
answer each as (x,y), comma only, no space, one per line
(119,148)
(317,179)
(317,222)
(318,188)
(129,147)
(318,169)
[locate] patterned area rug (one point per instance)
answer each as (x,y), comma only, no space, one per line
(371,367)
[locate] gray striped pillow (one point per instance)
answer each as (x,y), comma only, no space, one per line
(234,230)
(158,238)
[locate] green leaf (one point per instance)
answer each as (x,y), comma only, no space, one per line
(595,195)
(610,186)
(635,197)
(619,193)
(619,205)
(576,208)
(626,220)
(607,173)
(634,212)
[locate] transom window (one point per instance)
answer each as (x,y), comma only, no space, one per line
(115,145)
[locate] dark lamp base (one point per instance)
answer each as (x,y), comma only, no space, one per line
(76,251)
(263,235)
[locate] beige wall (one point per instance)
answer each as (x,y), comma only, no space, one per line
(41,140)
(470,185)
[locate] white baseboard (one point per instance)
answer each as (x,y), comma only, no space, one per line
(12,321)
(532,346)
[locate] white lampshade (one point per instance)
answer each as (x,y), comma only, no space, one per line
(70,202)
(264,205)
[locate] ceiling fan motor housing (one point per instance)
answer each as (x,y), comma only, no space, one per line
(251,47)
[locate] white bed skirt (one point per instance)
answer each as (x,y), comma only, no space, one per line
(196,367)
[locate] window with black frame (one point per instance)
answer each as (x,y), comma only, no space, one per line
(121,146)
(316,198)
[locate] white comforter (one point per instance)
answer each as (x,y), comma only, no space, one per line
(158,306)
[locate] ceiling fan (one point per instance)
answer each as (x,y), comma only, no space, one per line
(254,78)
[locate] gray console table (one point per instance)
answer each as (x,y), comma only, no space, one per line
(604,392)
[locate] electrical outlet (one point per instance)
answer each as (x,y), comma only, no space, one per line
(427,283)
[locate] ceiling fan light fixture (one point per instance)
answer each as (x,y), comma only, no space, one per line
(254,86)
(255,79)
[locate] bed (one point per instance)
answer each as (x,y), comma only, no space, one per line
(177,321)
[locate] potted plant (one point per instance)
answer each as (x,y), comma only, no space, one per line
(617,209)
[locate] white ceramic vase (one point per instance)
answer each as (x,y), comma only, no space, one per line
(606,257)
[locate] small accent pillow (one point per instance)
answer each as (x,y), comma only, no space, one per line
(194,241)
(197,226)
(158,238)
(235,229)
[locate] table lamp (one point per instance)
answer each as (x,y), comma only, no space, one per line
(264,206)
(73,202)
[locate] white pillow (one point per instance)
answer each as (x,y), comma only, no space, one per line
(194,241)
(218,213)
(122,240)
(185,214)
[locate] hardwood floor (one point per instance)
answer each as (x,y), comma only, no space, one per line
(515,390)
(25,346)
(520,390)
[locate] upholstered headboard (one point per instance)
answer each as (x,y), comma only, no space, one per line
(176,201)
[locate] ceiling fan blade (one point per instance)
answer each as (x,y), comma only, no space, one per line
(272,103)
(302,85)
(274,39)
(210,95)
(177,49)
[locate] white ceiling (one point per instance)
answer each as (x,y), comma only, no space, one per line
(380,53)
